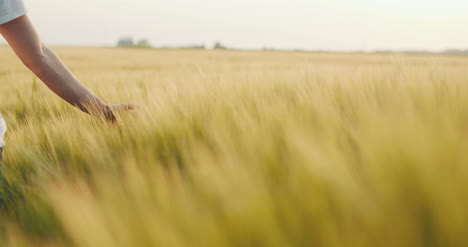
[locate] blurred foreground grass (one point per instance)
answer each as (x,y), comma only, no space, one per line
(239,149)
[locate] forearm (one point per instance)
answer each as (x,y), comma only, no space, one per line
(26,43)
(56,76)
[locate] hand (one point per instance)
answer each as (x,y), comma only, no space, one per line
(112,111)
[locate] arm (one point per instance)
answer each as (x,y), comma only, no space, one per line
(27,45)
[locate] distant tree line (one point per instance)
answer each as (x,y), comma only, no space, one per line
(455,52)
(144,43)
(450,52)
(129,42)
(188,47)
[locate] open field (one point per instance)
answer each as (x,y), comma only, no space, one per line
(239,149)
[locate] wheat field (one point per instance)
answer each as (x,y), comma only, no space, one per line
(237,148)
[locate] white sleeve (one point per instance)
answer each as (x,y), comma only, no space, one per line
(11,9)
(3,129)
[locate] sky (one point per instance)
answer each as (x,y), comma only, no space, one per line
(336,25)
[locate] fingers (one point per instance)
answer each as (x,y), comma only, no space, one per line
(113,111)
(125,107)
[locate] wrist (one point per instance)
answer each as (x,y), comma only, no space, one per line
(108,113)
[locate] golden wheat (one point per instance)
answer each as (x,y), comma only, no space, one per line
(239,149)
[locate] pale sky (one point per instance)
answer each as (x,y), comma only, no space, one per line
(307,24)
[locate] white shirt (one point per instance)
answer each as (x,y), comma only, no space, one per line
(3,129)
(11,9)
